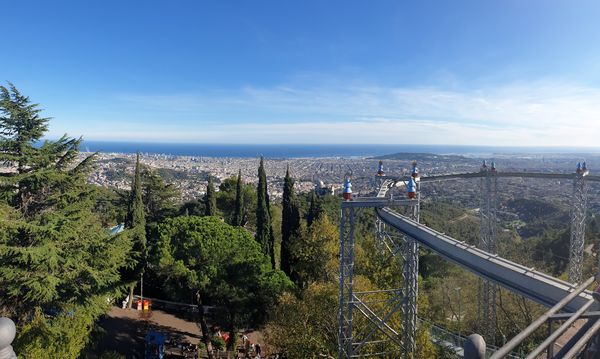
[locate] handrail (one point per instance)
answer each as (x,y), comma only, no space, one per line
(559,331)
(517,339)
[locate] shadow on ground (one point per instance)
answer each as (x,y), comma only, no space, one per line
(125,332)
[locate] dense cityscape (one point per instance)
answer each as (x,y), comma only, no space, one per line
(190,174)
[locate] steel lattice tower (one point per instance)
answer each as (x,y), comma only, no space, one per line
(578,213)
(410,274)
(488,242)
(377,336)
(345,348)
(380,308)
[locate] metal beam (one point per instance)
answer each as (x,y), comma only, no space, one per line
(378,203)
(537,286)
(517,339)
(565,316)
(581,343)
(559,331)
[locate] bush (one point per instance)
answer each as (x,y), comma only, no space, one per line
(218,343)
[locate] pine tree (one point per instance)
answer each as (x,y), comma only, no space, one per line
(136,223)
(239,202)
(34,167)
(210,207)
(290,222)
(54,253)
(263,216)
(159,197)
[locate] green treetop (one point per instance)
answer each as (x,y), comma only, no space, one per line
(218,265)
(159,197)
(135,207)
(290,222)
(55,256)
(239,202)
(210,199)
(234,195)
(263,217)
(315,210)
(136,224)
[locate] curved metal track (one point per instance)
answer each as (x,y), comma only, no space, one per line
(539,287)
(435,178)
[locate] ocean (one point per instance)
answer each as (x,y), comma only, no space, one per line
(320,150)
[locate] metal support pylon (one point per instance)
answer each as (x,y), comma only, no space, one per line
(376,336)
(345,349)
(410,274)
(488,242)
(578,213)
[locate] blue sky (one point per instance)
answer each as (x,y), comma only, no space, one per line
(475,72)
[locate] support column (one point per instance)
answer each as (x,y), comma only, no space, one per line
(578,214)
(345,349)
(410,273)
(488,242)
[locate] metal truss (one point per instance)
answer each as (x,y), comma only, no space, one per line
(410,274)
(578,213)
(488,242)
(368,321)
(345,347)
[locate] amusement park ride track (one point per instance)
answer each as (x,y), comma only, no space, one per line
(537,286)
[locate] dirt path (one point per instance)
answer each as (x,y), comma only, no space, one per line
(126,329)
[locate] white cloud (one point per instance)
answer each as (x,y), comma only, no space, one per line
(539,113)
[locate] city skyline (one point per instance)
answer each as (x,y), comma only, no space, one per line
(499,74)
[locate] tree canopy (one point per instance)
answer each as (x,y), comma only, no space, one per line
(56,259)
(220,265)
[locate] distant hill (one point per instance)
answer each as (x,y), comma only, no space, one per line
(422,157)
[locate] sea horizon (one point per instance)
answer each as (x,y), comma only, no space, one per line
(316,150)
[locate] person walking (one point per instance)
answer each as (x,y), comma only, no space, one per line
(257,350)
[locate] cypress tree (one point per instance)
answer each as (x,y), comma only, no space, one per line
(315,209)
(290,222)
(239,202)
(271,232)
(210,200)
(136,223)
(263,216)
(135,210)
